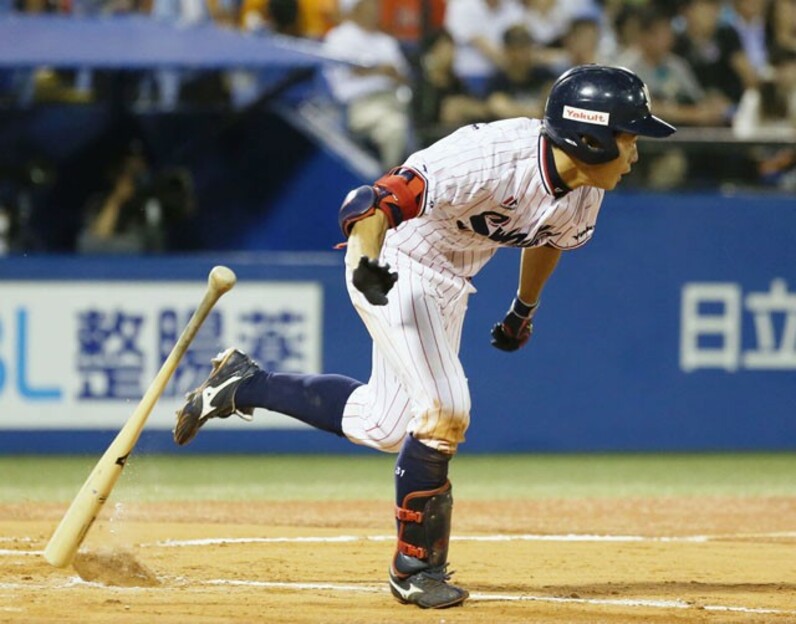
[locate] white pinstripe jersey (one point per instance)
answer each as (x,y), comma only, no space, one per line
(490,186)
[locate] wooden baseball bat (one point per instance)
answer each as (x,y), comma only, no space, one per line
(88,502)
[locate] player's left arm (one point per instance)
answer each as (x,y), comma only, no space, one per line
(536,266)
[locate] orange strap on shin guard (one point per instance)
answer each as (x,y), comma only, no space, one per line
(424,525)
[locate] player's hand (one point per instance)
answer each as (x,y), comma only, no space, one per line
(516,329)
(373,280)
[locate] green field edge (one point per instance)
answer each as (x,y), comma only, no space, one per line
(156,478)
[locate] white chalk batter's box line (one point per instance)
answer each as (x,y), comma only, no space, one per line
(573,537)
(382,589)
(337,539)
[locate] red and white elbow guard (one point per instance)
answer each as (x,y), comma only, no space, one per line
(399,194)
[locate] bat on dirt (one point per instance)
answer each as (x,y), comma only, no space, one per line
(84,509)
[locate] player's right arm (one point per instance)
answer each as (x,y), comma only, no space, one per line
(366,239)
(365,216)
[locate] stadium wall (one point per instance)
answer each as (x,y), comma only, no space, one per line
(673,330)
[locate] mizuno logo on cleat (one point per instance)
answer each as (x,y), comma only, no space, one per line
(208,394)
(406,594)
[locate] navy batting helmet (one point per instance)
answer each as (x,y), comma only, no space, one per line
(589,104)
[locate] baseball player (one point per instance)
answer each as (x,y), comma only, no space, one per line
(416,237)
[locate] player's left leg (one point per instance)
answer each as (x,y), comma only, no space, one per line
(237,385)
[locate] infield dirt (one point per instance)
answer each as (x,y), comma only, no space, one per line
(648,560)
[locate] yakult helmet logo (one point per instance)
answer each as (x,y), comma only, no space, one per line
(586,116)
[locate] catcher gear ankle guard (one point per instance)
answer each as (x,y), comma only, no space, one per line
(424,528)
(399,194)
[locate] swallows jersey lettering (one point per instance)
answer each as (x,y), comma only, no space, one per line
(490,224)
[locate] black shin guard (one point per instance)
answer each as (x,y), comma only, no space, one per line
(424,527)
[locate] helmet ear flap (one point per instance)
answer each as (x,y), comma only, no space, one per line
(591,147)
(597,148)
(590,142)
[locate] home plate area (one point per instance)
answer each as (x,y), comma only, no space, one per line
(205,567)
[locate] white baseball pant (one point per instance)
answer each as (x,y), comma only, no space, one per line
(417,383)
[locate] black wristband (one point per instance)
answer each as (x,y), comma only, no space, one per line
(522,309)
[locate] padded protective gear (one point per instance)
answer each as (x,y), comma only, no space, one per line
(424,528)
(515,330)
(589,104)
(373,280)
(357,205)
(399,194)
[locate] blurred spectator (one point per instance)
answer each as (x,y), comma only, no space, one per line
(676,96)
(410,20)
(714,50)
(582,41)
(581,45)
(675,90)
(283,17)
(549,20)
(45,84)
(23,188)
(172,87)
(781,24)
(317,17)
(477,27)
(108,7)
(520,88)
(749,20)
(138,210)
(42,6)
(441,99)
(278,16)
(627,28)
(769,111)
(375,90)
(224,12)
(190,12)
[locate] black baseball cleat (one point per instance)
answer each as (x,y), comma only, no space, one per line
(215,398)
(428,589)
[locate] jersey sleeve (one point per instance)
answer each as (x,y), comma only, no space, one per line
(578,221)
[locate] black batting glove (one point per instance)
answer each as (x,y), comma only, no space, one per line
(373,280)
(516,329)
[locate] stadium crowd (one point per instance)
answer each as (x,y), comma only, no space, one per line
(419,68)
(434,64)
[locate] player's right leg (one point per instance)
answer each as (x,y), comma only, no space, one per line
(417,402)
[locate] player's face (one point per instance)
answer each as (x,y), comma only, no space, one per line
(607,175)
